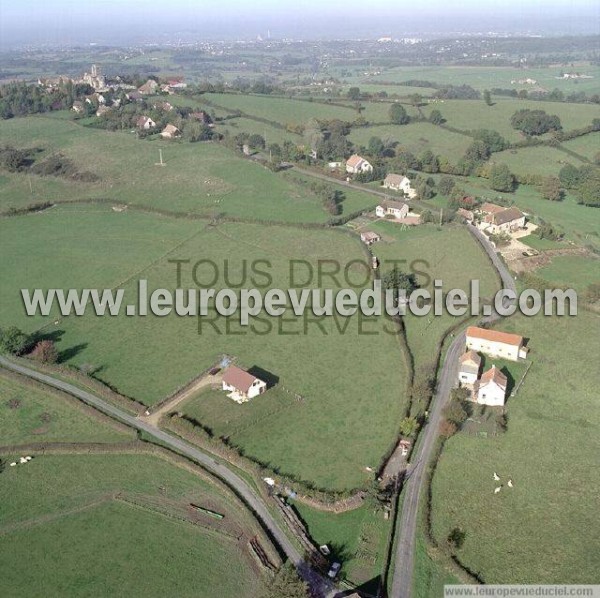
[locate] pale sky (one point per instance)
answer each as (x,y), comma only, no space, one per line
(77,20)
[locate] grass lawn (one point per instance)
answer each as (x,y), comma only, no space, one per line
(149,357)
(475,114)
(574,272)
(587,145)
(199,178)
(281,110)
(63,542)
(416,138)
(357,539)
(30,414)
(486,77)
(536,242)
(545,529)
(434,253)
(540,160)
(430,577)
(270,133)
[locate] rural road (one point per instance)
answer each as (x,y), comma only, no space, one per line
(407,522)
(238,484)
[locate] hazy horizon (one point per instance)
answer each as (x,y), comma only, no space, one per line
(64,22)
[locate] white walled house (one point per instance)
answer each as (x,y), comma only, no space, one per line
(356,164)
(491,388)
(468,370)
(241,385)
(145,123)
(397,182)
(368,237)
(504,221)
(170,132)
(496,344)
(398,209)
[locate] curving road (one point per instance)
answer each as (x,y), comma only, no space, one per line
(239,485)
(407,522)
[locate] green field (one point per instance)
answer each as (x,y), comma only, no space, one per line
(588,145)
(200,178)
(546,161)
(572,271)
(357,538)
(469,115)
(30,414)
(486,77)
(61,534)
(416,138)
(431,251)
(281,110)
(143,357)
(533,532)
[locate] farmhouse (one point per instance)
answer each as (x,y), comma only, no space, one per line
(397,182)
(398,209)
(491,388)
(102,110)
(145,122)
(490,208)
(356,164)
(469,365)
(170,132)
(149,87)
(505,221)
(77,106)
(496,344)
(369,237)
(467,215)
(166,106)
(241,385)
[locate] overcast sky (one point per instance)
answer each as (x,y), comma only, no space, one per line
(100,20)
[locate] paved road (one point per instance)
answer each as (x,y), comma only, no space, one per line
(407,522)
(239,485)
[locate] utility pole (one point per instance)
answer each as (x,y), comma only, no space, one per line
(441,213)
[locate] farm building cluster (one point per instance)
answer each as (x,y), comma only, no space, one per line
(489,388)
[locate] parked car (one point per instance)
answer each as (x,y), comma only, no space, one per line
(335,569)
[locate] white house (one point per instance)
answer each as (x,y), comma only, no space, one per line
(491,388)
(496,344)
(356,164)
(468,371)
(398,209)
(397,182)
(170,132)
(368,237)
(241,385)
(151,86)
(504,221)
(145,122)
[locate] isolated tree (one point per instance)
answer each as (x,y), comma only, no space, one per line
(415,99)
(501,179)
(446,185)
(447,429)
(569,176)
(534,122)
(408,426)
(456,538)
(435,117)
(398,280)
(13,340)
(487,97)
(354,93)
(456,413)
(588,192)
(287,584)
(256,141)
(551,188)
(45,352)
(492,139)
(398,114)
(376,147)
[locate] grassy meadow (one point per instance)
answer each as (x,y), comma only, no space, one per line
(572,271)
(149,357)
(30,414)
(432,254)
(199,178)
(544,529)
(61,534)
